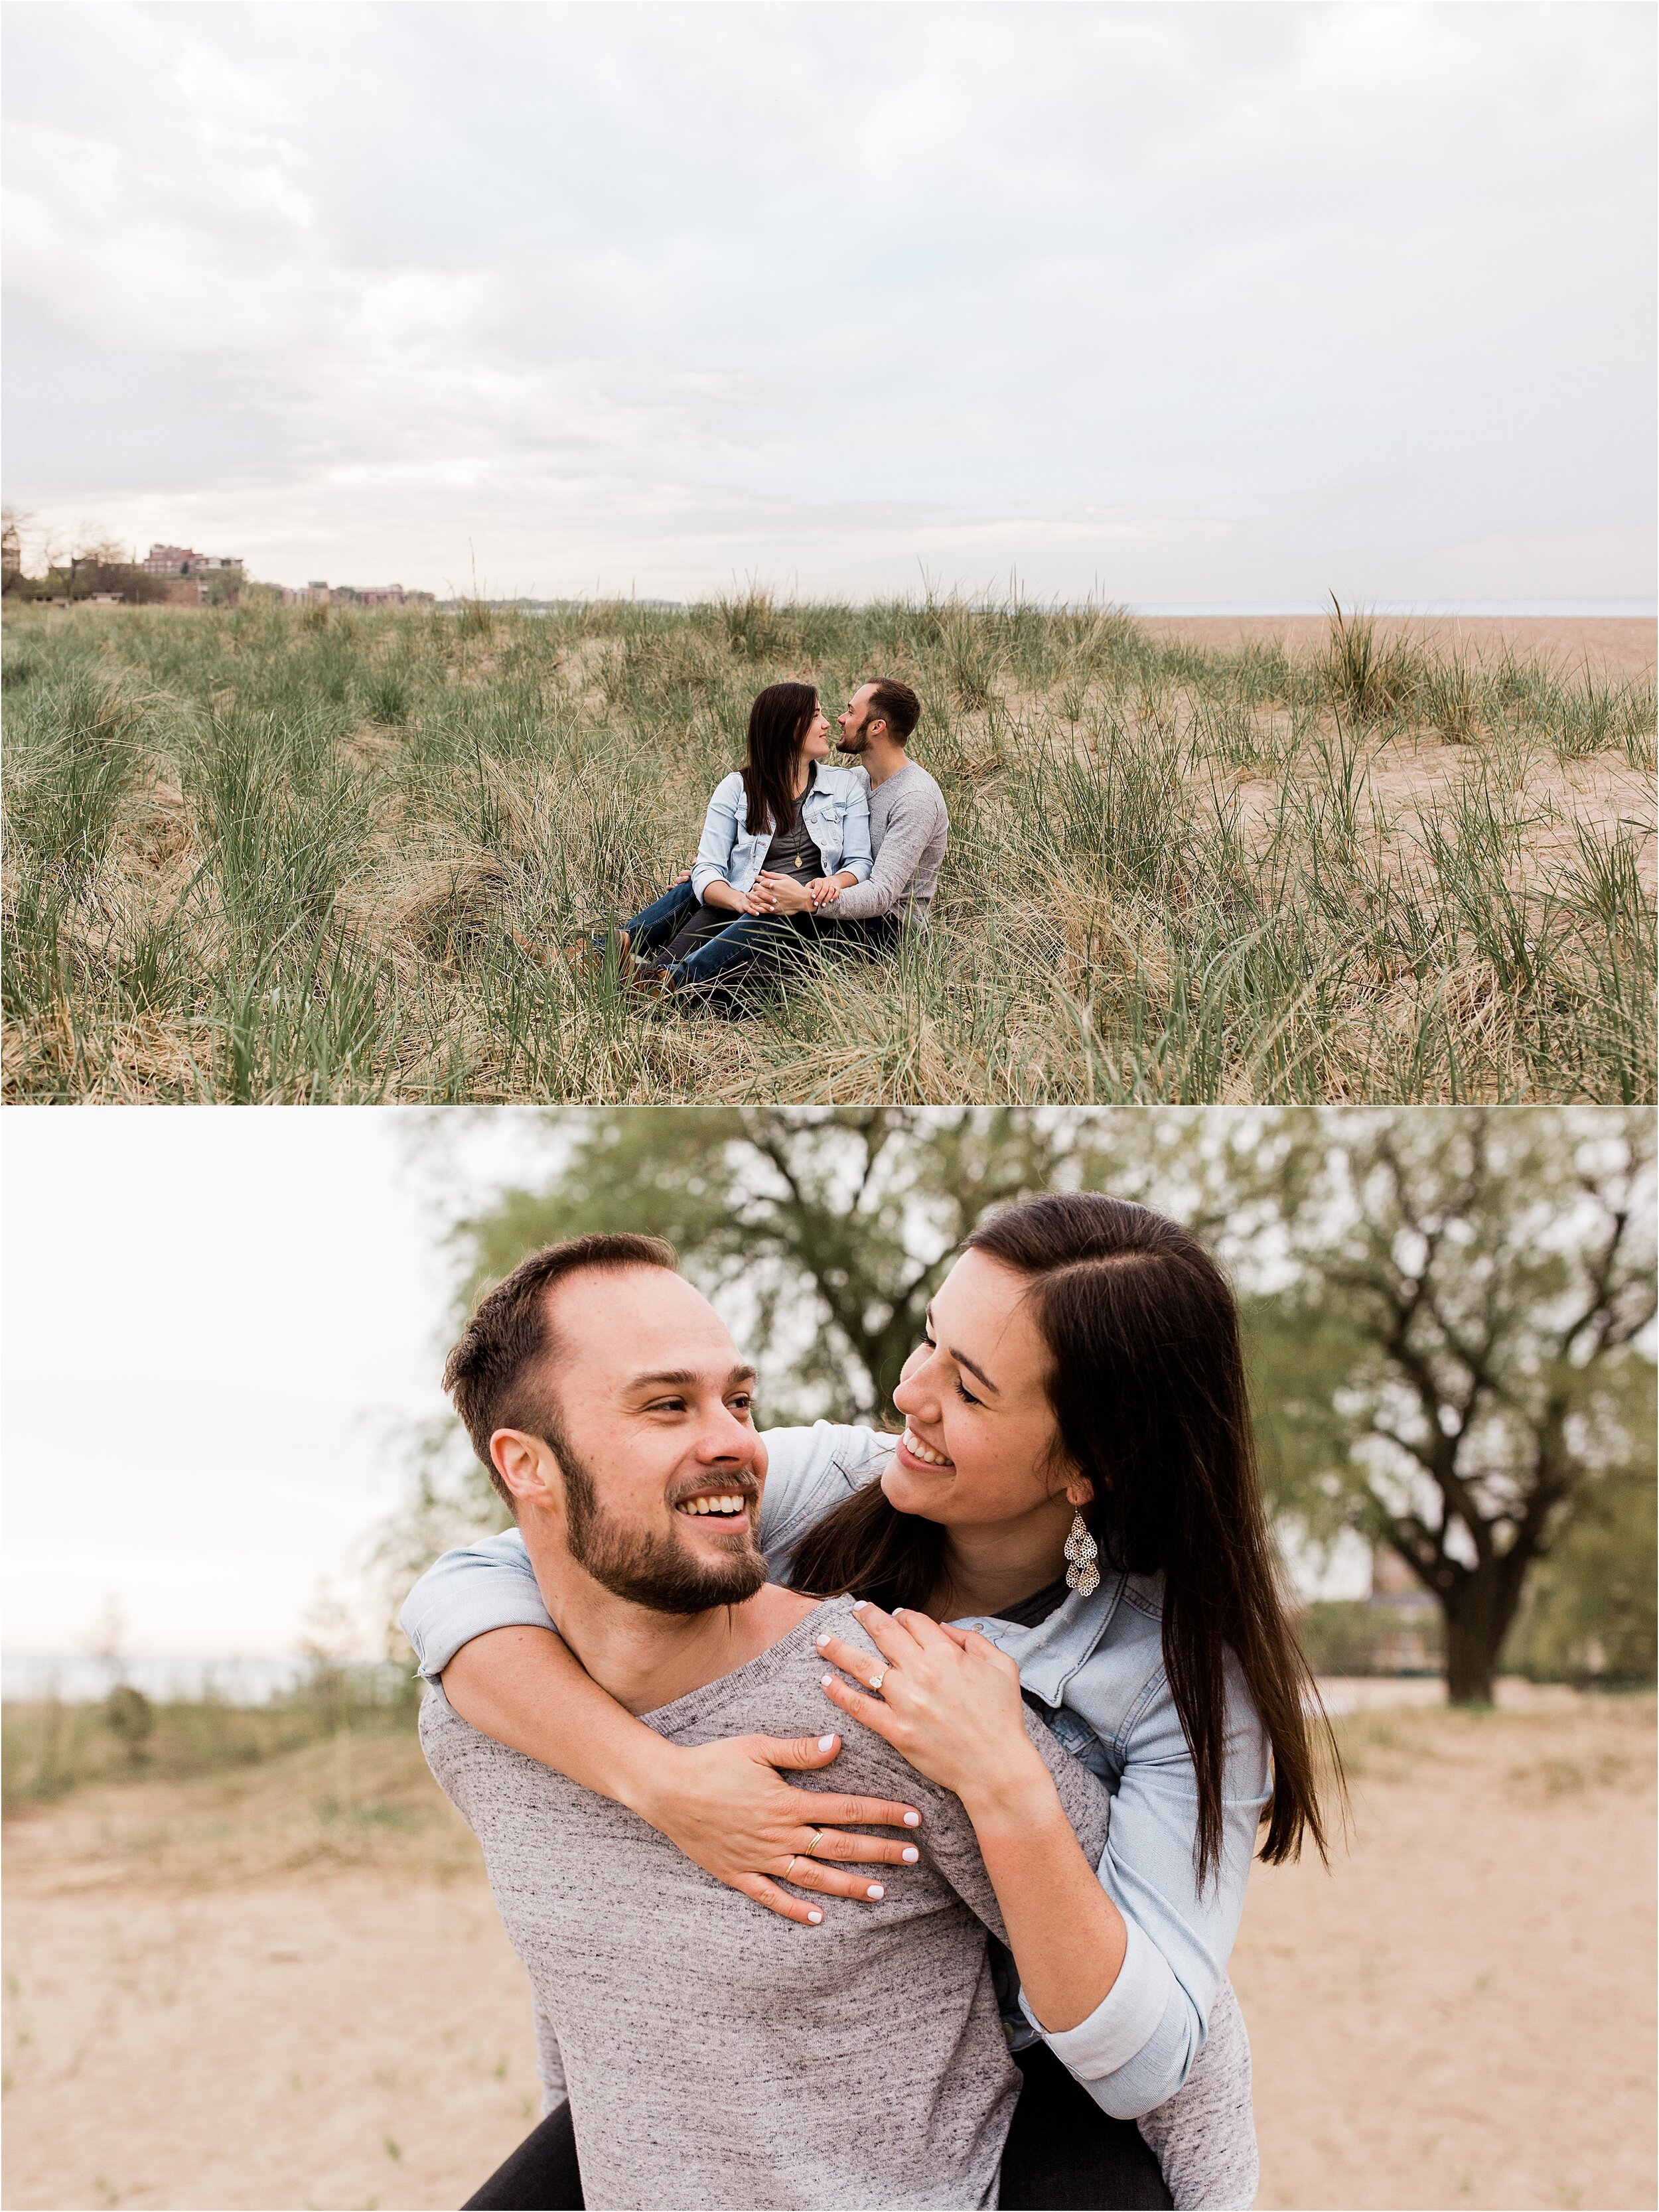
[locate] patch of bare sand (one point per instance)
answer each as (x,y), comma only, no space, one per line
(282,1986)
(340,2041)
(1613,645)
(1406,781)
(1461,2012)
(220,1993)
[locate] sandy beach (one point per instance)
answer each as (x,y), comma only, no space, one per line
(229,1995)
(1612,646)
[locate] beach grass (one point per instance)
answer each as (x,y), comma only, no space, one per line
(315,855)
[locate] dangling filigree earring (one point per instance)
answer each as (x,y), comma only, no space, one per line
(1082,1551)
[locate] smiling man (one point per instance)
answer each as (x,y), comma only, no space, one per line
(712,2053)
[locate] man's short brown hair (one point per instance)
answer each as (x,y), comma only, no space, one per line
(496,1375)
(896,704)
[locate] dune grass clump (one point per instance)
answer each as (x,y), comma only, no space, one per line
(315,855)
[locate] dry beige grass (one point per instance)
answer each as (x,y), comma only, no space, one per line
(255,857)
(228,1994)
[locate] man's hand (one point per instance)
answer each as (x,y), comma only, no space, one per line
(787,896)
(728,1809)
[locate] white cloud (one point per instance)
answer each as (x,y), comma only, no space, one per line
(1198,303)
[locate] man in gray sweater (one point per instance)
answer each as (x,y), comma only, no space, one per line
(714,2053)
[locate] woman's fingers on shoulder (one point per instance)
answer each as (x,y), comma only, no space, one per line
(869,1711)
(921,1627)
(862,1666)
(889,1635)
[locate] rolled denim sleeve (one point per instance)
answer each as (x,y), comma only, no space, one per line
(466,1593)
(855,849)
(1138,2046)
(720,834)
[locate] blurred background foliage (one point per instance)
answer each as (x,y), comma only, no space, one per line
(1448,1314)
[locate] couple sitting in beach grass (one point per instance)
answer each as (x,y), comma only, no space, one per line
(1048,1613)
(797,856)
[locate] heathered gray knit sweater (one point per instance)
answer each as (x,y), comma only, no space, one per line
(717,2056)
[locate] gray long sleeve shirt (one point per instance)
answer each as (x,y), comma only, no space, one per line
(909,827)
(716,2055)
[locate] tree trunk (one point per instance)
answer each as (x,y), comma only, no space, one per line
(1471,1658)
(1478,1610)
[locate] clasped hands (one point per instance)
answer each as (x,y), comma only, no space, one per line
(781,894)
(784,895)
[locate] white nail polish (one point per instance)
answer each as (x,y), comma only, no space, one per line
(912,1819)
(826,1680)
(821,1641)
(815,1917)
(875,1890)
(909,1854)
(858,1604)
(826,1743)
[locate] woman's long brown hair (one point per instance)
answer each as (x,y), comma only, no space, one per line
(778,720)
(1148,1391)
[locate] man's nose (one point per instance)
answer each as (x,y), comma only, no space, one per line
(725,1436)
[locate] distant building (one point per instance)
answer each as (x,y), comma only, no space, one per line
(171,561)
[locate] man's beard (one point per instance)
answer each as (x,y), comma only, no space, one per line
(643,1567)
(854,741)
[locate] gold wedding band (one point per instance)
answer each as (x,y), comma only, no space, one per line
(784,1876)
(817,1838)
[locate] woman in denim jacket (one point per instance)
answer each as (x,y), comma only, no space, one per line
(1082,1364)
(783,812)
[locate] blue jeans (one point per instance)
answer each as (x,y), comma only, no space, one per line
(654,925)
(770,939)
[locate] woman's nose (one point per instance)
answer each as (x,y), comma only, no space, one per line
(913,1394)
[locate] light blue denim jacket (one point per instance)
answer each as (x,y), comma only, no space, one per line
(836,812)
(1096,1664)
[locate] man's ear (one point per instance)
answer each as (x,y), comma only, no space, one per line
(880,723)
(527,1466)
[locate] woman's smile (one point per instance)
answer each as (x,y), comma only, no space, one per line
(911,1446)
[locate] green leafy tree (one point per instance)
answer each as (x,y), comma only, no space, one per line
(1459,1363)
(833,1227)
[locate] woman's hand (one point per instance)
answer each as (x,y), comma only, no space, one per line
(724,899)
(946,1699)
(823,891)
(727,1807)
(786,895)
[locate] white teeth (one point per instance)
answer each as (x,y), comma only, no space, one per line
(913,1443)
(719,1506)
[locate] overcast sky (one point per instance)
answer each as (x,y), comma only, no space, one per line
(1179,303)
(210,1319)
